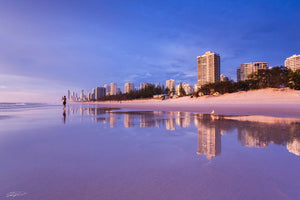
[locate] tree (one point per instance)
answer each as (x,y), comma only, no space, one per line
(296,80)
(167,90)
(205,89)
(181,90)
(241,86)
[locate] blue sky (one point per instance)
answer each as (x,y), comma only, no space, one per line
(47,47)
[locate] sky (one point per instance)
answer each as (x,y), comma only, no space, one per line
(48,47)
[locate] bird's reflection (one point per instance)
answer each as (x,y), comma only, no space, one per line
(251,132)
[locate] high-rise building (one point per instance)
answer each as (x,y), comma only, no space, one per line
(119,91)
(73,96)
(238,74)
(93,94)
(223,78)
(107,87)
(113,88)
(128,87)
(88,96)
(82,95)
(293,62)
(99,92)
(170,84)
(178,89)
(249,68)
(144,85)
(69,95)
(196,87)
(188,89)
(208,67)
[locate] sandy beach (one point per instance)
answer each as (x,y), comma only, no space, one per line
(269,102)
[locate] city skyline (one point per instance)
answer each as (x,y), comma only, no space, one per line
(55,46)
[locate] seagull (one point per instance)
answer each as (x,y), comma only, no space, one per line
(213,112)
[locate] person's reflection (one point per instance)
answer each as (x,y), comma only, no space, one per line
(64,115)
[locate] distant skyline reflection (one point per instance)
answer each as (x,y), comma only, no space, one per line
(257,133)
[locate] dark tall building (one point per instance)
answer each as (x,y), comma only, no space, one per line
(238,74)
(99,92)
(69,95)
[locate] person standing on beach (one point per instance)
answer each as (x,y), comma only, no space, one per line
(64,99)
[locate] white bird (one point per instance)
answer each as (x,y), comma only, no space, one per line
(213,112)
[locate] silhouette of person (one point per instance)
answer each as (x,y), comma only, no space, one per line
(64,99)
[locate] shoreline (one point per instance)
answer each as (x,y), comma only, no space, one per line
(267,102)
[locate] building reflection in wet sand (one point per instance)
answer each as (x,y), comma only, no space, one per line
(128,120)
(258,134)
(294,146)
(209,137)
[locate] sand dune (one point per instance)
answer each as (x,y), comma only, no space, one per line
(272,102)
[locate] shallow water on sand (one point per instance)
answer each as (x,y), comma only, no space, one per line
(88,152)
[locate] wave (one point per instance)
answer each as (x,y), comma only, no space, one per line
(21,105)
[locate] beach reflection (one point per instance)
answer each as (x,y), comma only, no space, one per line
(252,131)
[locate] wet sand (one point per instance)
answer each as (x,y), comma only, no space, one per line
(98,153)
(223,109)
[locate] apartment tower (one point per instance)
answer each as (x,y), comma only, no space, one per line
(100,92)
(128,87)
(113,88)
(208,67)
(107,88)
(293,62)
(170,84)
(144,85)
(249,68)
